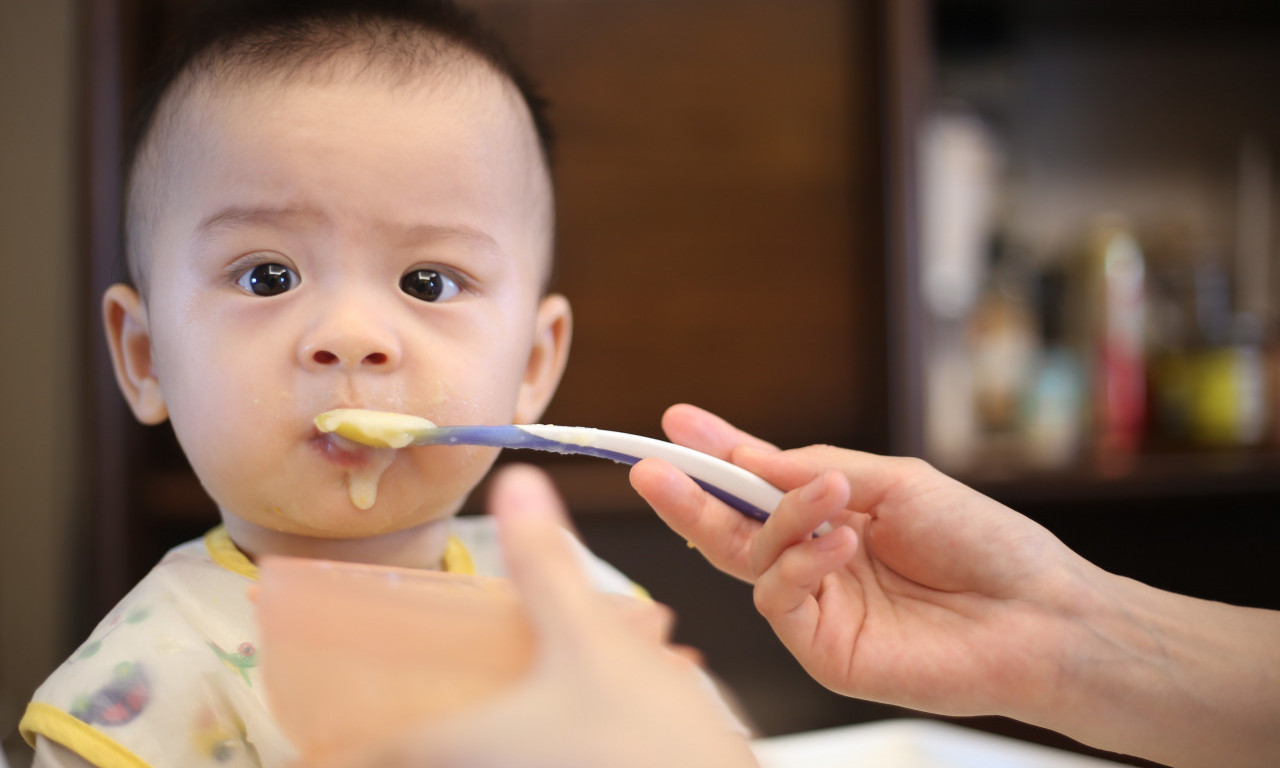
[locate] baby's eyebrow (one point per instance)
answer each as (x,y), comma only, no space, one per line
(237,217)
(413,234)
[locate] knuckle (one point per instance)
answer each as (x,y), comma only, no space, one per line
(763,598)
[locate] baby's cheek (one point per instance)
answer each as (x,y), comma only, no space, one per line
(432,485)
(479,402)
(452,469)
(236,473)
(237,451)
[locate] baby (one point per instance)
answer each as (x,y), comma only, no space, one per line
(329,205)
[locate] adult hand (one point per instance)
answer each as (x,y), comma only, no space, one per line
(929,595)
(925,593)
(604,691)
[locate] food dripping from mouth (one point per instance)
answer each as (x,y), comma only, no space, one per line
(365,442)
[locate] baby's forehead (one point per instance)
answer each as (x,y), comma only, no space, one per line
(198,99)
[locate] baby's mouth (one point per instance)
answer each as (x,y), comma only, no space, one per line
(364,442)
(364,465)
(340,450)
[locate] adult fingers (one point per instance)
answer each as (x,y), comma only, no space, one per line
(543,564)
(702,430)
(722,534)
(787,593)
(646,619)
(799,514)
(871,477)
(797,574)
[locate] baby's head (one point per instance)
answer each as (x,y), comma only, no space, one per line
(337,205)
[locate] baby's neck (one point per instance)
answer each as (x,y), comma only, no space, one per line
(419,547)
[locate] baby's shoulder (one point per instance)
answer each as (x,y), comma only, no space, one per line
(186,614)
(178,655)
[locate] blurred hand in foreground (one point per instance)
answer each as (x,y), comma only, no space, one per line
(605,690)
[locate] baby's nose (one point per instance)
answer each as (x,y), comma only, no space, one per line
(351,341)
(325,357)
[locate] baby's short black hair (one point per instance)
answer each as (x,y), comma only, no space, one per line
(400,38)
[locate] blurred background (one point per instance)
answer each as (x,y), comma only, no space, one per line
(1029,241)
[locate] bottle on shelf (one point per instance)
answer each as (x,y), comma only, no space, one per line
(1115,311)
(960,161)
(1002,345)
(1003,341)
(1212,389)
(1053,407)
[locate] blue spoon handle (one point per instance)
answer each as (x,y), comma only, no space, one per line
(733,485)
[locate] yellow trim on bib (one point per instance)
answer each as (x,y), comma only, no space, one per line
(224,552)
(76,735)
(457,558)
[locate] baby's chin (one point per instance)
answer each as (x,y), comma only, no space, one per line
(341,520)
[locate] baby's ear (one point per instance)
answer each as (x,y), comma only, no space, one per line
(130,340)
(547,359)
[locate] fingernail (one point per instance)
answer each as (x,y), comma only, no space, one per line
(814,491)
(830,540)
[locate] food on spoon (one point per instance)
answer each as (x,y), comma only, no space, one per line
(380,429)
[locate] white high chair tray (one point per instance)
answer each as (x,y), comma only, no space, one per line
(912,743)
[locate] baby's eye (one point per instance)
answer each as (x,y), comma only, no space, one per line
(268,280)
(428,285)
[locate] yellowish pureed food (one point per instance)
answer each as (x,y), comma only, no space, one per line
(378,429)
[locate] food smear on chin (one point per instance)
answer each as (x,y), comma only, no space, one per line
(362,482)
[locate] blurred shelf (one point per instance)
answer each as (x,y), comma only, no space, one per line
(1075,108)
(1147,477)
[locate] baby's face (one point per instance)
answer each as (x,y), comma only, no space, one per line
(347,244)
